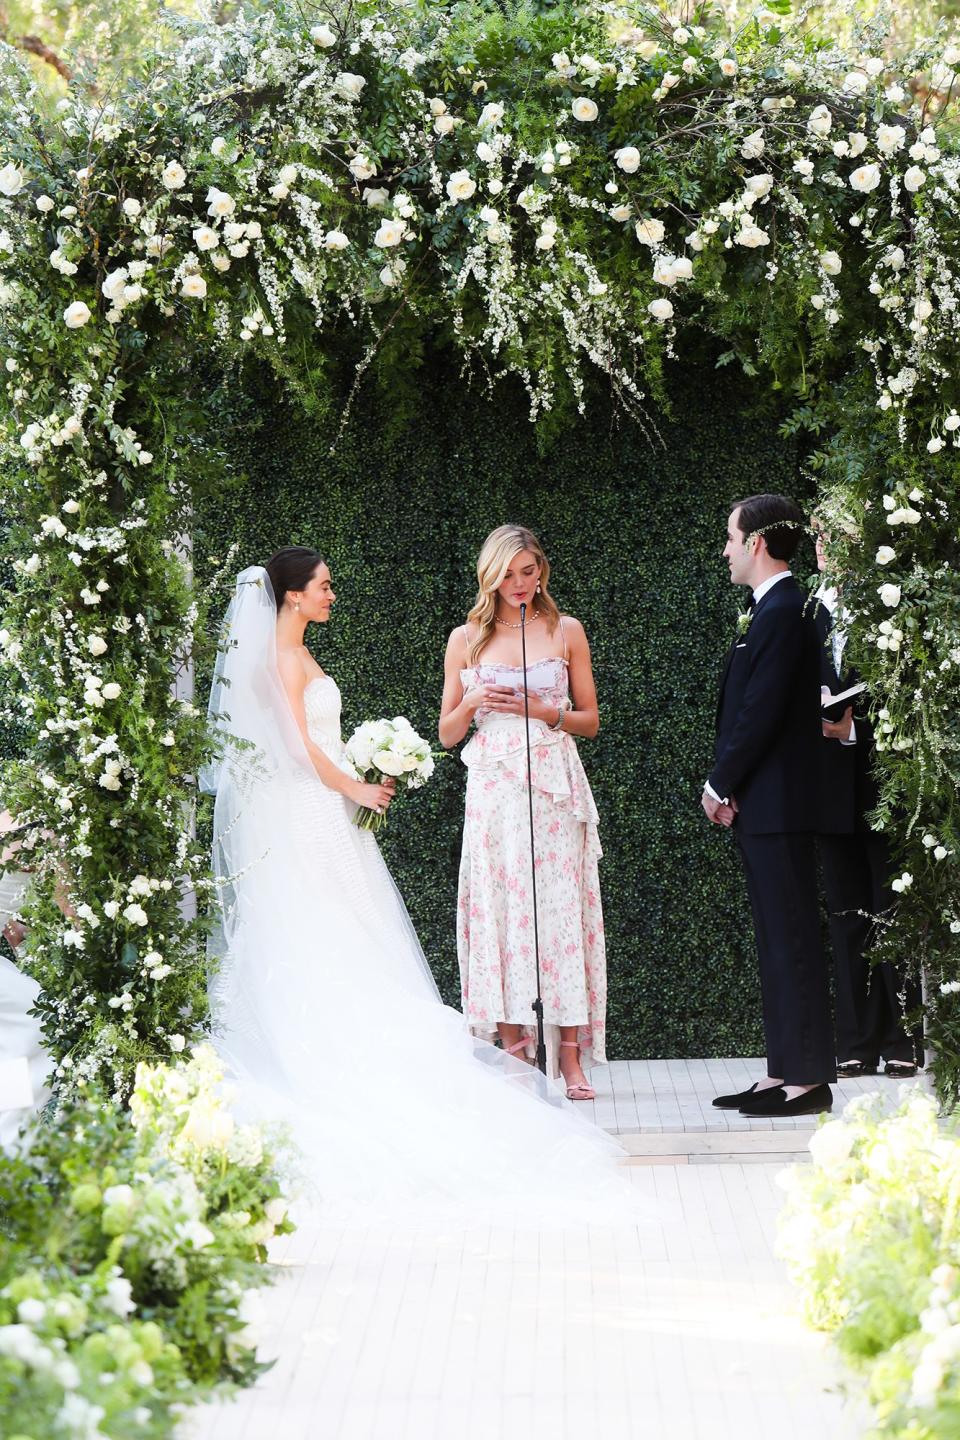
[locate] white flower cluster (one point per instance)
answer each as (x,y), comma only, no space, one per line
(380,748)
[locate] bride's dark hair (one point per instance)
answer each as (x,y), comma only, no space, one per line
(292,568)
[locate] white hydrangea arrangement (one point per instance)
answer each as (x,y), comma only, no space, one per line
(868,1234)
(381,750)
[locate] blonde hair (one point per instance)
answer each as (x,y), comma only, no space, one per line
(499,549)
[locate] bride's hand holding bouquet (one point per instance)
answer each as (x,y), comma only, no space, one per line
(387,756)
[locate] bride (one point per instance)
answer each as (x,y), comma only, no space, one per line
(323,1005)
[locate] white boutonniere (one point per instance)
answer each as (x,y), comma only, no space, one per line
(743,621)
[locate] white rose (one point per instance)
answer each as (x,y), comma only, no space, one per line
(545,241)
(728,67)
(865,178)
(348,86)
(335,240)
(461,185)
(820,121)
(621,212)
(194,287)
(11,180)
(76,315)
(390,233)
(111,691)
(952,421)
(760,185)
(855,83)
(438,106)
(682,267)
(890,138)
(661,309)
(375,198)
(111,909)
(288,175)
(174,177)
(219,261)
(935,445)
(649,232)
(323,36)
(890,595)
(628,158)
(362,167)
(276,1210)
(751,236)
(857,141)
(923,308)
(490,115)
(444,124)
(176,1042)
(219,203)
(913,179)
(135,914)
(753,146)
(885,555)
(218,145)
(830,262)
(44,204)
(132,208)
(388,763)
(205,238)
(584,109)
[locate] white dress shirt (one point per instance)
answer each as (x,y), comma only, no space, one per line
(827,595)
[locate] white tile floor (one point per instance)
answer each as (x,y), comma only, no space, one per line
(681,1329)
(651,1097)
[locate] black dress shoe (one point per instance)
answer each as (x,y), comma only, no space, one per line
(775,1104)
(900,1069)
(851,1069)
(733,1102)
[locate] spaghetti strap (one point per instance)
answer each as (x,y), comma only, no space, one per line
(564,639)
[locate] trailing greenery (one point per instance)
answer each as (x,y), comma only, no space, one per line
(552,193)
(870,1236)
(133,1244)
(634,534)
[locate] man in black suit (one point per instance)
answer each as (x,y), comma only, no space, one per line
(857,866)
(764,784)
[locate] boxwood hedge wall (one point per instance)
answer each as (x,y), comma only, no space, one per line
(634,530)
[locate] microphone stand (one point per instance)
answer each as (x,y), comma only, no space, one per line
(538,1003)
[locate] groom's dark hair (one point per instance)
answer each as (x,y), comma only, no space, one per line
(292,568)
(780,521)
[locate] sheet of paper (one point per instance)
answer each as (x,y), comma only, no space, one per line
(827,699)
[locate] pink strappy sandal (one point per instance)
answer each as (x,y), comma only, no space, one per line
(581,1091)
(518,1049)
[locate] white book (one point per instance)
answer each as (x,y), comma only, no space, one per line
(827,699)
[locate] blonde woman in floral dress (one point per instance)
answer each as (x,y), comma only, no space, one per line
(495,939)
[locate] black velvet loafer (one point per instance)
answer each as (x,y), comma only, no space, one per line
(774,1103)
(733,1102)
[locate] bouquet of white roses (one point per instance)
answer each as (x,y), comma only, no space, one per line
(388,749)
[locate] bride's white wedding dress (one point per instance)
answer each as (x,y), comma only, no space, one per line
(324,1007)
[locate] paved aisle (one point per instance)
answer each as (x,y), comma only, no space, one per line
(681,1329)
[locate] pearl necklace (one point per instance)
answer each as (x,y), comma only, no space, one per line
(517,624)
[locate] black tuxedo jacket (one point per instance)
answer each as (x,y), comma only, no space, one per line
(768,717)
(847,787)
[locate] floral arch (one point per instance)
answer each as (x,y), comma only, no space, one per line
(566,192)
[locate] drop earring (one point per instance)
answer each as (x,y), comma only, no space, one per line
(538,587)
(296,606)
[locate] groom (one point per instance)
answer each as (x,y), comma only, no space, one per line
(764,784)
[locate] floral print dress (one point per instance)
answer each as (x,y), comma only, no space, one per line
(495,941)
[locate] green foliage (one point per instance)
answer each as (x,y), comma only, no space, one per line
(133,1241)
(634,533)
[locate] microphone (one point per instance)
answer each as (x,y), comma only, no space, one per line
(537,1005)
